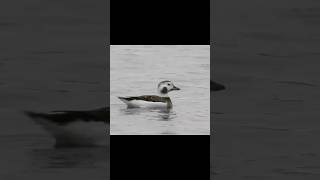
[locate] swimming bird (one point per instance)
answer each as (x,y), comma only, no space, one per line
(75,128)
(153,101)
(216,86)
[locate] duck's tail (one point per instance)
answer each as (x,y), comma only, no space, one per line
(39,118)
(123,99)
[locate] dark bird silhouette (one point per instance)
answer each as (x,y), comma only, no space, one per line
(75,128)
(216,86)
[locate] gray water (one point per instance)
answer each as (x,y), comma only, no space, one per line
(28,152)
(137,70)
(31,156)
(266,124)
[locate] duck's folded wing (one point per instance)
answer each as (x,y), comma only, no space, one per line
(150,98)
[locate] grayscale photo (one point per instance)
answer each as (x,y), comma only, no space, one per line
(266,120)
(53,90)
(160,89)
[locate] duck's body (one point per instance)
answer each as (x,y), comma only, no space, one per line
(152,101)
(76,128)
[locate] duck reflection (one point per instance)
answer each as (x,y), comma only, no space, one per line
(54,158)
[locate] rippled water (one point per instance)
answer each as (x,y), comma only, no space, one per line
(137,70)
(32,156)
(266,124)
(28,152)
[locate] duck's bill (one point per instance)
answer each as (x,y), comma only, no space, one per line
(175,88)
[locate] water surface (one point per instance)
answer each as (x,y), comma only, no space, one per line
(137,70)
(266,124)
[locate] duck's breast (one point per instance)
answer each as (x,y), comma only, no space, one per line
(83,133)
(77,133)
(141,103)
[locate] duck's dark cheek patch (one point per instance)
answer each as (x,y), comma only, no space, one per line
(164,90)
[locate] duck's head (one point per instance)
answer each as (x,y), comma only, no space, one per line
(166,86)
(216,86)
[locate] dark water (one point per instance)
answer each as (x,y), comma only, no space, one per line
(266,123)
(52,57)
(137,70)
(31,156)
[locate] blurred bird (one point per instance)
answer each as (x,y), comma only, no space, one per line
(216,86)
(75,128)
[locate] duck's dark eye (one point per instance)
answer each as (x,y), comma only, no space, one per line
(168,84)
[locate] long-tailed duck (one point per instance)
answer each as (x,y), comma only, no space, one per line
(162,100)
(216,86)
(76,128)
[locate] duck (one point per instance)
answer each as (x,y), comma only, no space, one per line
(214,86)
(162,100)
(75,128)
